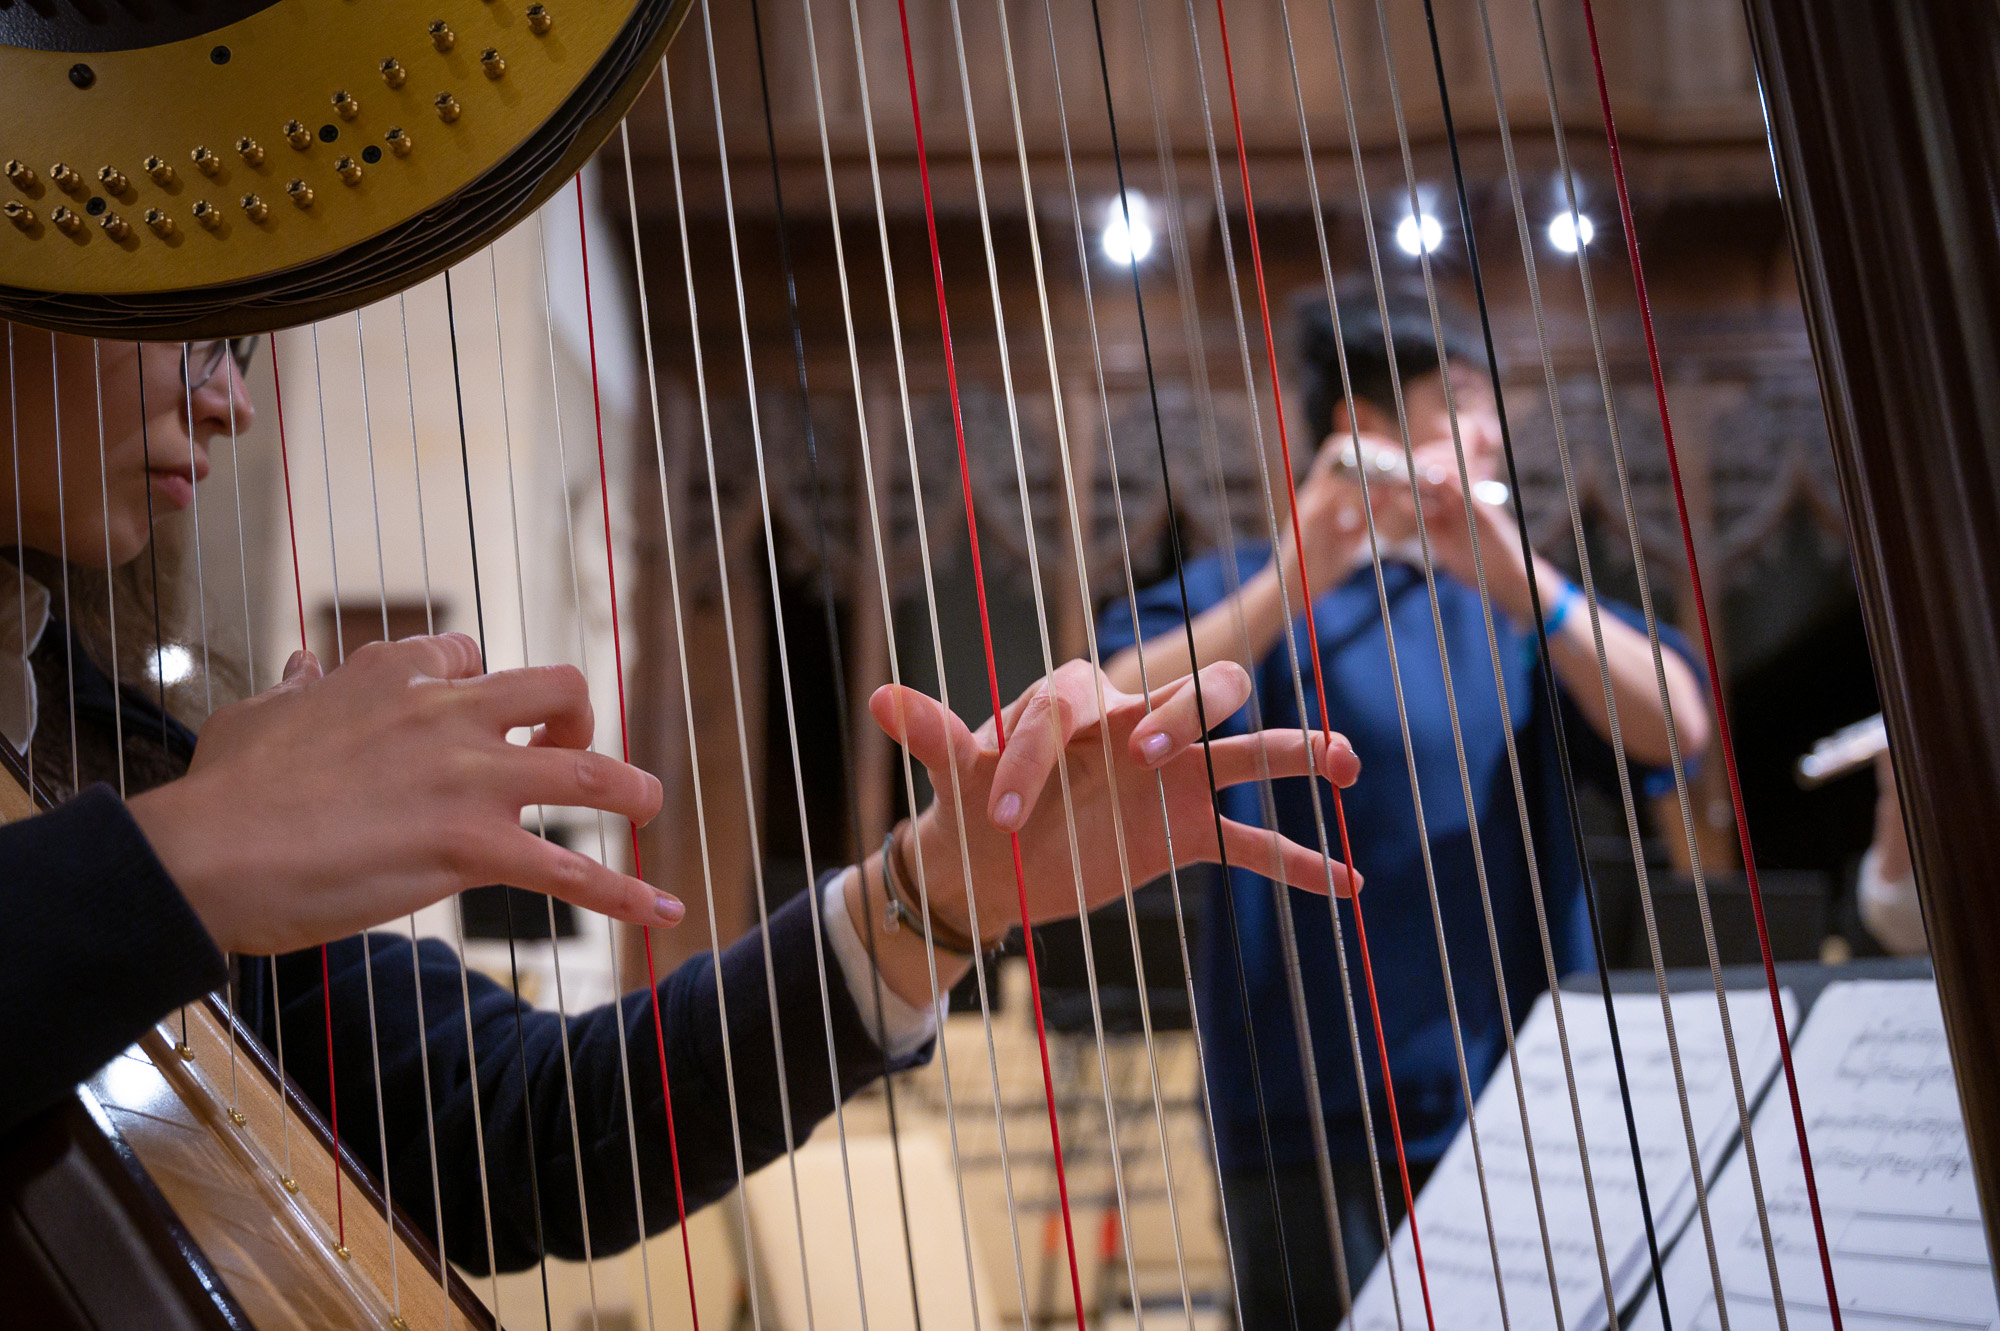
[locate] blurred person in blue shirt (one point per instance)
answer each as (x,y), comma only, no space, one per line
(1236,592)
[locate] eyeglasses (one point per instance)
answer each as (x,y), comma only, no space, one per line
(203,359)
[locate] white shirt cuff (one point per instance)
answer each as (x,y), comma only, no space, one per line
(1890,909)
(903,1030)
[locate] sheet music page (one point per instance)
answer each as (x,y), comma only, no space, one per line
(1895,1184)
(1450,1218)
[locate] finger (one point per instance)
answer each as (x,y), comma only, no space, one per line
(1264,851)
(932,732)
(1054,713)
(578,778)
(439,655)
(555,699)
(1283,753)
(523,859)
(1179,709)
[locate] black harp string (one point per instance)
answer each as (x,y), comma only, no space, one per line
(153,572)
(506,891)
(249,653)
(20,570)
(835,656)
(1296,676)
(1224,888)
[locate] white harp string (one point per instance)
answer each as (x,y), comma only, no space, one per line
(603,843)
(944,689)
(1029,543)
(416,967)
(541,811)
(1296,673)
(1681,788)
(233,376)
(458,924)
(735,670)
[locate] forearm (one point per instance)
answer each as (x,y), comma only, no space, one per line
(1634,682)
(1242,628)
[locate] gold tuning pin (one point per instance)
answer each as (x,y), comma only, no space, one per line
(291,1184)
(66,178)
(340,1251)
(113,180)
(250,151)
(349,170)
(22,175)
(447,107)
(66,220)
(393,73)
(20,214)
(302,194)
(255,208)
(297,135)
(163,227)
(205,161)
(115,226)
(207,214)
(156,167)
(398,140)
(345,106)
(539,21)
(237,1116)
(491,61)
(442,37)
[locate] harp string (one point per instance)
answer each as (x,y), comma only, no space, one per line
(1034,559)
(1367,966)
(1080,563)
(625,747)
(986,640)
(513,962)
(20,569)
(541,811)
(888,626)
(299,596)
(249,652)
(62,538)
(416,970)
(340,653)
(755,841)
(367,951)
(937,649)
(836,666)
(784,660)
(687,692)
(1727,743)
(1090,630)
(1212,447)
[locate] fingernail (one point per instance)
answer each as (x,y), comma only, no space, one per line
(1153,748)
(1007,813)
(294,663)
(670,909)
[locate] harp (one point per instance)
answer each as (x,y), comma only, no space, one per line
(270,170)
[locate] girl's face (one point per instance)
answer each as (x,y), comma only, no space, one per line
(91,465)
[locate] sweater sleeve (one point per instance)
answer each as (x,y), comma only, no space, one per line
(98,945)
(550,1175)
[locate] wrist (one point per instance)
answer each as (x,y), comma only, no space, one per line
(167,818)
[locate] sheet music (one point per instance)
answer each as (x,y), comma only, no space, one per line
(1452,1225)
(1895,1184)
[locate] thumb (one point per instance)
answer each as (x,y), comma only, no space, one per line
(301,668)
(919,723)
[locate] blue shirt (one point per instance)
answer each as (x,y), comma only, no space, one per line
(1383,829)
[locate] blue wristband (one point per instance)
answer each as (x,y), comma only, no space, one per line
(1552,622)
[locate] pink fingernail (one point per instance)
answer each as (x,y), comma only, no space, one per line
(669,909)
(1007,813)
(1154,748)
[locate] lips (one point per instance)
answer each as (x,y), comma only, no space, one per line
(175,484)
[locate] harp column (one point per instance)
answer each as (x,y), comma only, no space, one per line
(1886,126)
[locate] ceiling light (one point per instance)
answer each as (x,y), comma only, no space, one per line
(173,665)
(1127,237)
(1415,233)
(1569,231)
